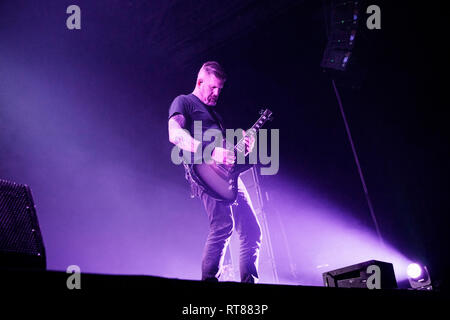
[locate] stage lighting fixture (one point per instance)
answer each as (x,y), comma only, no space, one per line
(344,20)
(419,277)
(358,275)
(355,15)
(414,270)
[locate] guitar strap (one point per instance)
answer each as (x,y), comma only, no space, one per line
(196,189)
(215,117)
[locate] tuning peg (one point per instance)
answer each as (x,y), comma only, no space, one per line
(261,111)
(270,118)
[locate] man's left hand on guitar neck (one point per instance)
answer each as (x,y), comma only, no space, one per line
(249,142)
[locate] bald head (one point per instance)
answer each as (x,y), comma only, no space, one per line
(210,81)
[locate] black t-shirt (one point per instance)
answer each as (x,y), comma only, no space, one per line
(193,109)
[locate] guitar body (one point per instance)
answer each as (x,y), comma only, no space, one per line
(221,180)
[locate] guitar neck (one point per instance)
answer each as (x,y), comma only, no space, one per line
(240,146)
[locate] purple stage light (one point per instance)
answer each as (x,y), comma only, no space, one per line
(322,236)
(414,270)
(419,277)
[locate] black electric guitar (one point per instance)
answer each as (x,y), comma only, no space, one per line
(220,180)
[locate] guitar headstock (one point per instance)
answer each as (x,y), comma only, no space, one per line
(266,115)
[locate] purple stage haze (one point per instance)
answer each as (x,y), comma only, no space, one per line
(321,236)
(83,119)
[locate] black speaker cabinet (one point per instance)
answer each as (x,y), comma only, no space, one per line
(356,276)
(21,245)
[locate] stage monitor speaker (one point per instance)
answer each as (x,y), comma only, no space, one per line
(21,244)
(355,276)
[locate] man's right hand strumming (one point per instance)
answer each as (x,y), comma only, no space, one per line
(222,155)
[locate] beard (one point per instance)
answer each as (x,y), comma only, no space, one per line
(212,101)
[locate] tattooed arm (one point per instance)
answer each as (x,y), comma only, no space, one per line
(182,138)
(179,136)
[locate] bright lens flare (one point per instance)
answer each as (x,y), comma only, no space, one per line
(414,270)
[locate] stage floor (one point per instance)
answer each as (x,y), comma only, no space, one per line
(188,299)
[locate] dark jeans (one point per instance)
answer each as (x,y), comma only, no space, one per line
(222,220)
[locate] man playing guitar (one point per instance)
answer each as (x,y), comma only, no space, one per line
(223,217)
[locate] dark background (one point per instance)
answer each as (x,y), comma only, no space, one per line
(83,119)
